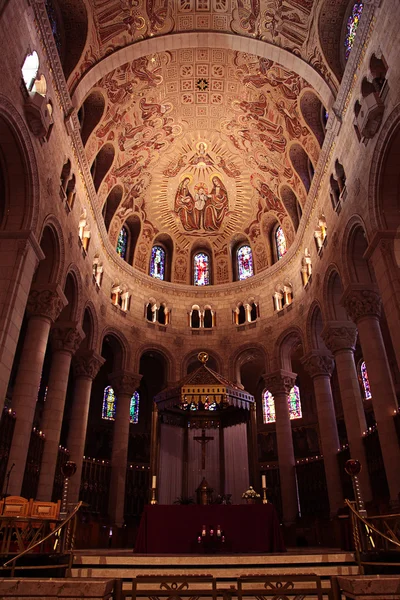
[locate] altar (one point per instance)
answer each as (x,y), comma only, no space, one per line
(177,529)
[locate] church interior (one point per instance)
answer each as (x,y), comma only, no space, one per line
(200,286)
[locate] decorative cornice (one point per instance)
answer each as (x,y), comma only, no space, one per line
(361,303)
(280,382)
(47,302)
(67,337)
(318,364)
(87,364)
(340,335)
(125,382)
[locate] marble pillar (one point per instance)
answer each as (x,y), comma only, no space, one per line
(66,339)
(44,306)
(279,384)
(86,365)
(320,367)
(340,338)
(364,307)
(124,384)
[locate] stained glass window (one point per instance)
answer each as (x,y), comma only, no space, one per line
(365,381)
(294,403)
(30,69)
(122,243)
(245,262)
(134,409)
(201,263)
(351,28)
(157,263)
(109,404)
(280,241)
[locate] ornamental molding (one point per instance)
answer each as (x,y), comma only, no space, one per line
(87,364)
(47,302)
(280,382)
(124,382)
(361,303)
(67,337)
(318,364)
(340,336)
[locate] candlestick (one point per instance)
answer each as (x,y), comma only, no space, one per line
(154,482)
(264,498)
(263,481)
(153,496)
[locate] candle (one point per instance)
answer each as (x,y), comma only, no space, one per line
(153,482)
(263,481)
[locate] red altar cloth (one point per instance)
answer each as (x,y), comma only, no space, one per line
(173,529)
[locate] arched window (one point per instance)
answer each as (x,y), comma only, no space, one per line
(134,409)
(201,269)
(109,403)
(30,69)
(245,262)
(280,242)
(195,318)
(351,28)
(268,405)
(365,381)
(122,243)
(208,318)
(157,263)
(241,315)
(253,311)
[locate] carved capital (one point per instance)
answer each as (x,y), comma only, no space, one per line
(339,336)
(125,382)
(360,302)
(318,364)
(47,302)
(87,364)
(279,382)
(67,337)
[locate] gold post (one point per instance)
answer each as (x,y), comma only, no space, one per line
(264,497)
(153,496)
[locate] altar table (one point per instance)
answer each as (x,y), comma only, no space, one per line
(173,529)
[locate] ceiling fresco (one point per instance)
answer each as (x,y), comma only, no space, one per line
(204,141)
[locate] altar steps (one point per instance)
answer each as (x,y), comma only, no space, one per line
(225,568)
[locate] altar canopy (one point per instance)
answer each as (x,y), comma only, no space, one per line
(203,433)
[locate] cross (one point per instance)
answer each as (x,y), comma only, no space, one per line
(203,440)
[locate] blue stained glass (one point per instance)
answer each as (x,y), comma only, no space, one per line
(294,403)
(201,269)
(109,404)
(352,25)
(245,262)
(157,263)
(134,409)
(122,243)
(365,381)
(280,241)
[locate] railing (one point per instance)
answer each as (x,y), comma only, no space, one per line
(29,533)
(375,536)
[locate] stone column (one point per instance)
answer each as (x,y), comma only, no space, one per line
(253,449)
(340,338)
(279,384)
(20,254)
(86,365)
(44,307)
(364,307)
(66,339)
(320,367)
(124,384)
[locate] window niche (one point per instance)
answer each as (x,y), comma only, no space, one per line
(369,109)
(84,233)
(38,108)
(97,269)
(67,186)
(283,296)
(306,268)
(278,242)
(320,234)
(247,312)
(120,297)
(201,265)
(338,190)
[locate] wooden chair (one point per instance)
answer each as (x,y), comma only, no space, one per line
(46,510)
(171,587)
(291,587)
(16,506)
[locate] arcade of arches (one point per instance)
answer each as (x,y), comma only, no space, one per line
(227,183)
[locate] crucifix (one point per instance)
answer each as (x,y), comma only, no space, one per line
(203,439)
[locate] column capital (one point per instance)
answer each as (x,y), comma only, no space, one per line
(87,364)
(383,239)
(339,335)
(318,364)
(67,336)
(361,302)
(46,301)
(279,382)
(125,382)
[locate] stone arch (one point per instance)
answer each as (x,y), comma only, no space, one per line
(165,241)
(133,226)
(286,344)
(330,25)
(237,241)
(19,172)
(90,113)
(111,204)
(217,363)
(243,353)
(72,286)
(311,108)
(292,205)
(314,327)
(332,292)
(170,362)
(120,345)
(354,245)
(384,183)
(102,164)
(198,39)
(90,326)
(302,164)
(51,268)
